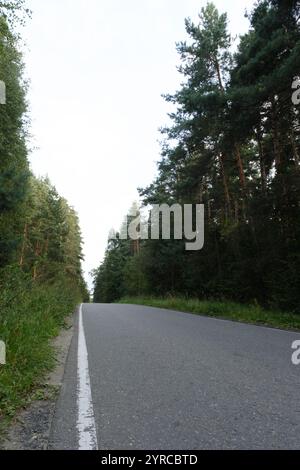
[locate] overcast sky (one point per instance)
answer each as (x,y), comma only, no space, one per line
(97,70)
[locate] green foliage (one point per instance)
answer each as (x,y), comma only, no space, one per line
(40,242)
(14,170)
(227,310)
(233,145)
(135,279)
(30,315)
(109,278)
(51,240)
(14,11)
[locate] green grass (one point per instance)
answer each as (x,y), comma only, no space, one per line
(30,316)
(228,310)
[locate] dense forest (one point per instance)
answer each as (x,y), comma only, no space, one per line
(40,243)
(233,145)
(39,232)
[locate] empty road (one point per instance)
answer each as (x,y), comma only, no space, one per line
(146,378)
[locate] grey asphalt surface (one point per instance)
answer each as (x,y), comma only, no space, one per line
(168,380)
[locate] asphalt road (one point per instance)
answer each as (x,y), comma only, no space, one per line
(168,380)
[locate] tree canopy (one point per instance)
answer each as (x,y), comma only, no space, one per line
(233,145)
(39,231)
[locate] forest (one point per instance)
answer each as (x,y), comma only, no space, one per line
(40,242)
(233,144)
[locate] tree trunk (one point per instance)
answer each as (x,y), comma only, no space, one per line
(240,168)
(37,254)
(275,133)
(225,184)
(209,211)
(21,263)
(217,65)
(263,173)
(201,190)
(236,211)
(295,149)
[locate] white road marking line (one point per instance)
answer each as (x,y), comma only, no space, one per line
(86,425)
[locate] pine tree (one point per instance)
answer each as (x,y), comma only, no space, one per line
(14,171)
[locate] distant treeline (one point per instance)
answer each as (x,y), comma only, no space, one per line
(234,146)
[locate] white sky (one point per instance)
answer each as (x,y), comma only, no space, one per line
(97,70)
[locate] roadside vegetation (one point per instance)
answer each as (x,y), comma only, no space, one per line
(227,310)
(31,314)
(233,144)
(40,242)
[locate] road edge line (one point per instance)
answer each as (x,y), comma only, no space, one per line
(86,424)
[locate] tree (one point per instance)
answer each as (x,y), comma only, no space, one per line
(14,171)
(14,11)
(233,145)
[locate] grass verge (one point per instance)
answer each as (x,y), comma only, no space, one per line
(228,310)
(31,314)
